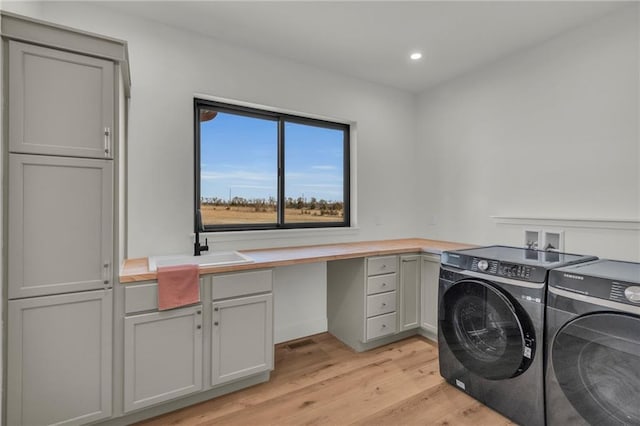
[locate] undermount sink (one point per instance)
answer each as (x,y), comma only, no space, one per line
(220,258)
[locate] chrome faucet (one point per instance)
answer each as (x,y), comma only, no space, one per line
(197,247)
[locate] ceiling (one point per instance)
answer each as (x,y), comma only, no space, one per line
(372,40)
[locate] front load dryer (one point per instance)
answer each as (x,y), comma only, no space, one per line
(593,344)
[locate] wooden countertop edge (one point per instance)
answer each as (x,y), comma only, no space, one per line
(135,270)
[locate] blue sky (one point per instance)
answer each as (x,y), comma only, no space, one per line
(239,158)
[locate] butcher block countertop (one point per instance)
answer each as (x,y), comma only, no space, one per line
(134,270)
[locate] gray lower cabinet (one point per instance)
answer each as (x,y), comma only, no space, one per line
(59,367)
(364,301)
(60,103)
(430,277)
(410,271)
(241,337)
(162,356)
(60,225)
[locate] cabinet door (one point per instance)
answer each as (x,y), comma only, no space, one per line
(242,338)
(409,292)
(59,359)
(430,277)
(162,356)
(60,225)
(60,103)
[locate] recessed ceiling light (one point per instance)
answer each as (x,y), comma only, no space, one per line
(416,55)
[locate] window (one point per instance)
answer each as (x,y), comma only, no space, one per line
(257,169)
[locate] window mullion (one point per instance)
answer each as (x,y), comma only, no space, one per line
(281,199)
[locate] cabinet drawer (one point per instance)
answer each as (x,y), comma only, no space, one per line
(143,297)
(381,265)
(241,284)
(381,283)
(381,326)
(379,304)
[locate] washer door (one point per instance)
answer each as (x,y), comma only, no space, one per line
(486,330)
(596,360)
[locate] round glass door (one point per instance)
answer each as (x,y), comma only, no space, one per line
(596,359)
(485,330)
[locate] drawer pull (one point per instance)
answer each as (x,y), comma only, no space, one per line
(384,284)
(216,309)
(215,323)
(384,265)
(199,312)
(198,326)
(384,304)
(384,325)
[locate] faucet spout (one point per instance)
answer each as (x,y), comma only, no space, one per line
(197,247)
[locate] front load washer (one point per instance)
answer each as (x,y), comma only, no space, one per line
(593,344)
(491,323)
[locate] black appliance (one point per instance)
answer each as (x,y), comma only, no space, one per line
(491,322)
(593,341)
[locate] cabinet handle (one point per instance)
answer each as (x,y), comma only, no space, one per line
(384,304)
(384,284)
(198,326)
(105,273)
(384,325)
(107,141)
(383,266)
(199,312)
(216,309)
(215,323)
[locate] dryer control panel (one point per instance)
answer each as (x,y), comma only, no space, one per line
(602,288)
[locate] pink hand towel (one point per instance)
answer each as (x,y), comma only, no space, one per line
(178,286)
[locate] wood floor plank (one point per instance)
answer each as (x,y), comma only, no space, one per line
(320,381)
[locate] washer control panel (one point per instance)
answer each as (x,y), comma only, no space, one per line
(514,264)
(504,269)
(484,265)
(513,270)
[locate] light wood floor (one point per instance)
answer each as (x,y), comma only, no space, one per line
(320,381)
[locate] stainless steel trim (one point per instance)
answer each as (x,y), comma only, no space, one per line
(595,301)
(502,280)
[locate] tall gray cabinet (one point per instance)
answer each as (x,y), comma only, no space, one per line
(61,117)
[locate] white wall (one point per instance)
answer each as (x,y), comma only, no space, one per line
(551,132)
(169,66)
(3,291)
(299,301)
